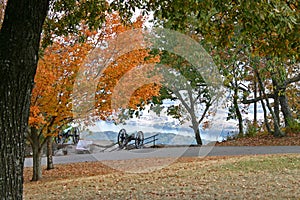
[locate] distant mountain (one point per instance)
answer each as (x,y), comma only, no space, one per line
(163,138)
(175,139)
(106,135)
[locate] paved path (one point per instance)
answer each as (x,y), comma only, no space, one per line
(169,152)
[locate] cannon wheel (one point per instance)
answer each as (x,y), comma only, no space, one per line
(76,135)
(122,138)
(139,139)
(59,139)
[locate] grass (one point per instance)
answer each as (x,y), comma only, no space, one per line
(240,177)
(291,139)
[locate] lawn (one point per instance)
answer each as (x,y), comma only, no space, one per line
(240,177)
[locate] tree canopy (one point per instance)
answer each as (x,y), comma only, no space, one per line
(250,41)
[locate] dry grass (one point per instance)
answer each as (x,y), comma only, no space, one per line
(241,177)
(292,139)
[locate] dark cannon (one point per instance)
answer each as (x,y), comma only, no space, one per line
(124,139)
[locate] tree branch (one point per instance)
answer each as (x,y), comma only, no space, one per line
(293,79)
(207,106)
(178,95)
(249,101)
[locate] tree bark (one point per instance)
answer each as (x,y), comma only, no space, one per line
(49,154)
(198,136)
(276,100)
(237,111)
(20,39)
(195,127)
(37,147)
(276,106)
(265,113)
(285,109)
(255,103)
(191,110)
(37,158)
(277,131)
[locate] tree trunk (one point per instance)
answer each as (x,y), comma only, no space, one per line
(49,154)
(198,137)
(237,112)
(276,100)
(19,39)
(255,103)
(37,159)
(195,127)
(191,111)
(277,131)
(265,114)
(285,108)
(37,148)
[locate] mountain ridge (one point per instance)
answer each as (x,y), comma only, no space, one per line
(163,138)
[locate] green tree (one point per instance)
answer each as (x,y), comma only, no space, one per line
(268,31)
(183,84)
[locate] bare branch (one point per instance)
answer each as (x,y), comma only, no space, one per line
(257,99)
(207,106)
(178,95)
(293,79)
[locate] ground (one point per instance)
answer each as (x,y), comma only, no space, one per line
(238,177)
(219,177)
(264,140)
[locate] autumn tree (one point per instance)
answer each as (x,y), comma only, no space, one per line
(124,85)
(51,106)
(114,97)
(121,81)
(52,95)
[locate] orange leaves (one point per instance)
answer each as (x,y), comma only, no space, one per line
(36,118)
(57,72)
(128,82)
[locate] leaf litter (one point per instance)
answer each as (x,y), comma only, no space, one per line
(235,177)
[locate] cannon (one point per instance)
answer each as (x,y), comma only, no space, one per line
(124,139)
(64,135)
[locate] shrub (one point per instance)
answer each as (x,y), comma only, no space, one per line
(252,129)
(293,127)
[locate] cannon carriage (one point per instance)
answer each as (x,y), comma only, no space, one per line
(124,139)
(64,135)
